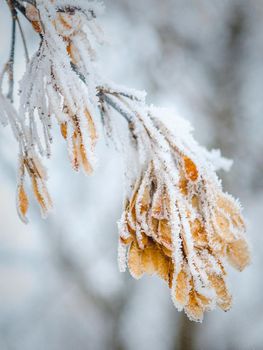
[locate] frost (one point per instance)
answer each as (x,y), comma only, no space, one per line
(177,221)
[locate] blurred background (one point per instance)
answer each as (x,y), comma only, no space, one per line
(60,287)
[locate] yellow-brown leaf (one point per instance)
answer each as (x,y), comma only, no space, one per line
(190,169)
(164,233)
(238,254)
(223,295)
(64,129)
(182,288)
(193,309)
(91,126)
(134,260)
(84,160)
(23,202)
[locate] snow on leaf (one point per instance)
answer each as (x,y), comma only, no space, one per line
(177,222)
(187,218)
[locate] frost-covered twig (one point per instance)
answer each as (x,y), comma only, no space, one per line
(10,63)
(23,39)
(19,6)
(177,221)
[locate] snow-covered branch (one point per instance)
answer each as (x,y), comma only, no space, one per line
(177,221)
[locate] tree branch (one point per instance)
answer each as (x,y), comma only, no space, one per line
(23,40)
(12,50)
(116,106)
(20,7)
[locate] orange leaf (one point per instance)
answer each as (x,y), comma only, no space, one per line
(190,169)
(23,202)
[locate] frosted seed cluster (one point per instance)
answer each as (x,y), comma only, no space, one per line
(177,221)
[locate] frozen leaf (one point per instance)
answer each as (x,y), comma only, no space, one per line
(181,289)
(190,169)
(191,224)
(135,261)
(23,202)
(194,309)
(238,254)
(177,221)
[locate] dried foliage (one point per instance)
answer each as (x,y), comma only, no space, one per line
(179,225)
(177,222)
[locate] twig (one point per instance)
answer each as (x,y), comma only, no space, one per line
(31,2)
(72,9)
(117,107)
(80,75)
(103,92)
(118,92)
(23,40)
(20,7)
(104,96)
(12,51)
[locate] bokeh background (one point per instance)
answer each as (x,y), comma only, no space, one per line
(60,287)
